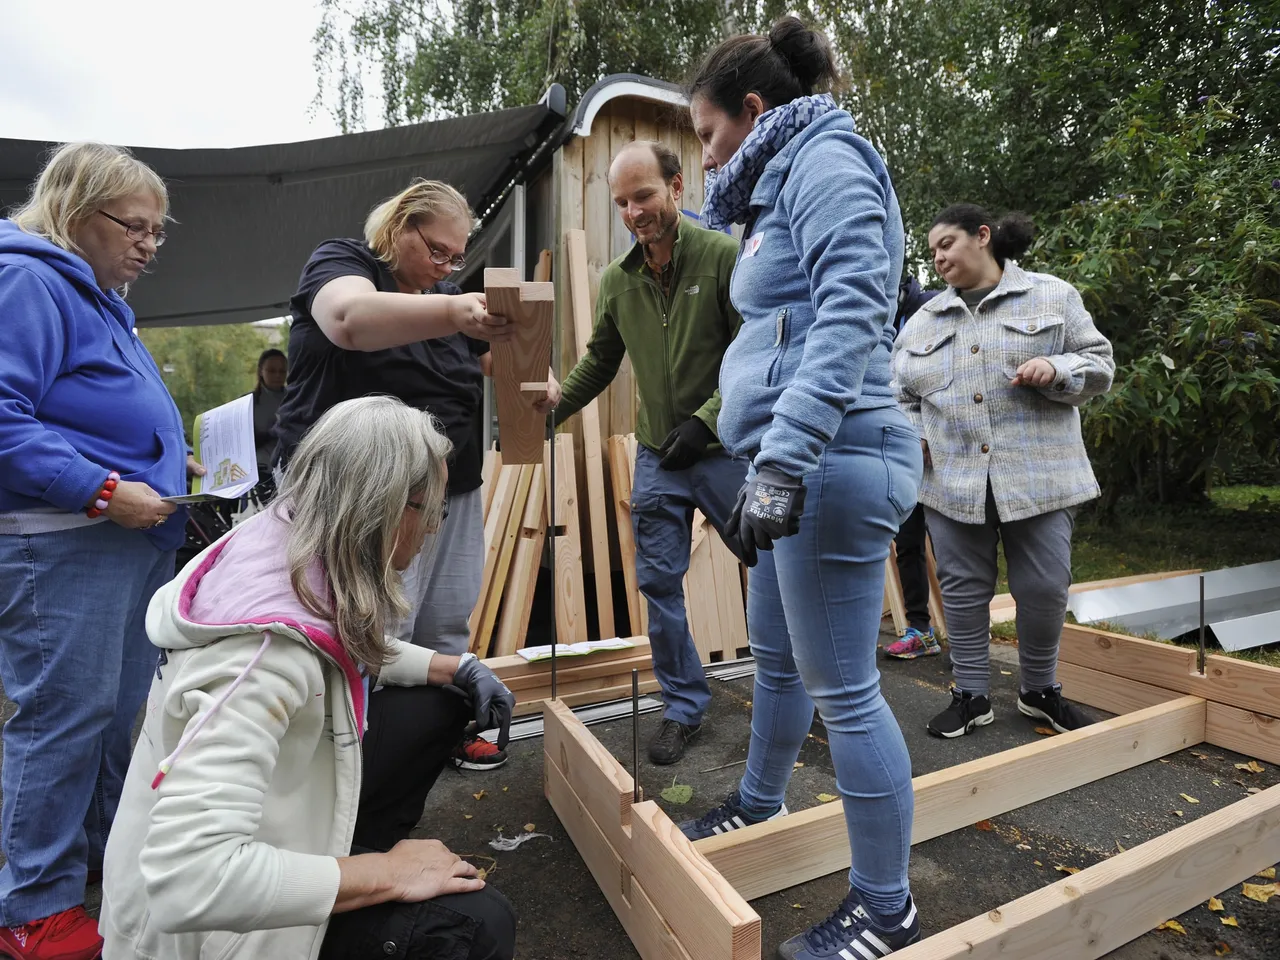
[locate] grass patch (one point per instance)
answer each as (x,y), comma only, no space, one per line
(1246,497)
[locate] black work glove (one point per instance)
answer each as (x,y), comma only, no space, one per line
(685,445)
(768,508)
(488,696)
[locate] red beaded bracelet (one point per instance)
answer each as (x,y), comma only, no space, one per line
(103,498)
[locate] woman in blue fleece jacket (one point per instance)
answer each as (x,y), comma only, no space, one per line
(89,443)
(835,464)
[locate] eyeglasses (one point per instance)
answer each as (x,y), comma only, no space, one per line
(138,232)
(439,257)
(417,506)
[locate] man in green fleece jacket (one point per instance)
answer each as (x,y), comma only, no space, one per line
(666,303)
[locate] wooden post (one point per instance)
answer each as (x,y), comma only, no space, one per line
(530,307)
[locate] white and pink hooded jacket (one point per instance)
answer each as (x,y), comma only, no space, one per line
(244,784)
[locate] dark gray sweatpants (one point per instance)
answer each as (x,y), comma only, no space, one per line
(1038,553)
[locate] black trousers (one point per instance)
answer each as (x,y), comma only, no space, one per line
(913,569)
(412,733)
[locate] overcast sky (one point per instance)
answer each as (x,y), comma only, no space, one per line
(164,74)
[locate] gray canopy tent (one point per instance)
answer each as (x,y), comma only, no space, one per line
(246,219)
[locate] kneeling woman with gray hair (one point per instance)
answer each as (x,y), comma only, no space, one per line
(262,815)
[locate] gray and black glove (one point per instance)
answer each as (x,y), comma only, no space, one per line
(768,508)
(487,695)
(685,445)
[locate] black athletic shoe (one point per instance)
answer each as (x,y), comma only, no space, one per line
(728,816)
(667,745)
(851,934)
(1050,705)
(965,713)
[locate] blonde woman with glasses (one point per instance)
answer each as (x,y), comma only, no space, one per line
(378,315)
(90,442)
(256,820)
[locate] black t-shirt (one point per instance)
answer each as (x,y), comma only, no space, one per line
(440,375)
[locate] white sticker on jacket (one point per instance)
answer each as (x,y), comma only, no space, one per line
(750,248)
(692,290)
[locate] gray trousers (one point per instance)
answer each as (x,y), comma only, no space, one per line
(443,582)
(1038,554)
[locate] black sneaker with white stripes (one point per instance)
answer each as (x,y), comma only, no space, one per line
(851,934)
(728,816)
(1049,704)
(965,713)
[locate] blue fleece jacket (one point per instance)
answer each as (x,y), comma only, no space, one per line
(79,394)
(816,283)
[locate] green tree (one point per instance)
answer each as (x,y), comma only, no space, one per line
(206,366)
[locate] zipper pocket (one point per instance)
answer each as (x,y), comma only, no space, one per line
(779,346)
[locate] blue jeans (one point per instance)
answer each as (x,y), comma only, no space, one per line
(662,504)
(813,611)
(75,660)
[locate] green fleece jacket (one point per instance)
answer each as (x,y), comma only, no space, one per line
(675,342)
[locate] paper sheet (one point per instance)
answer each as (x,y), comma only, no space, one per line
(534,654)
(223,444)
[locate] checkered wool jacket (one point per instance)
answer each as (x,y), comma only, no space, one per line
(951,376)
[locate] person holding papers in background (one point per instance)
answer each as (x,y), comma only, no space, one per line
(90,441)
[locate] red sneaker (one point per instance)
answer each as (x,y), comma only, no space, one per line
(69,935)
(477,753)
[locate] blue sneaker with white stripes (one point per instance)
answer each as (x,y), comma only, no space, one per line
(728,816)
(851,934)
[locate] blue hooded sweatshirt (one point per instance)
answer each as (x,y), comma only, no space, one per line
(816,284)
(79,393)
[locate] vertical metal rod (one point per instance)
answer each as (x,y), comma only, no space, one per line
(1201,661)
(555,630)
(635,736)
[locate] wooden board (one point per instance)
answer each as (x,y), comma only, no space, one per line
(495,526)
(619,691)
(515,669)
(530,307)
(937,612)
(803,846)
(1088,915)
(488,476)
(571,607)
(1252,734)
(580,297)
(1113,694)
(620,472)
(482,626)
(522,581)
(893,599)
(597,778)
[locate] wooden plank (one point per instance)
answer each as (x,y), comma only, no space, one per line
(582,321)
(731,610)
(513,669)
(482,629)
(573,669)
(702,908)
(597,223)
(1237,683)
(1003,606)
(622,404)
(694,178)
(622,691)
(620,470)
(1107,692)
(1252,734)
(811,843)
(523,578)
(488,475)
(571,602)
(599,779)
(649,933)
(530,307)
(893,599)
(646,118)
(699,594)
(1088,915)
(937,611)
(495,526)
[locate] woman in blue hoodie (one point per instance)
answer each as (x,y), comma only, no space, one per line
(835,465)
(90,442)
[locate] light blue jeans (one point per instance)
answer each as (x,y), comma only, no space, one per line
(813,611)
(662,504)
(77,664)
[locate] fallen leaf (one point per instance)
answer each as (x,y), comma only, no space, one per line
(467,816)
(1267,874)
(1163,760)
(1187,798)
(1173,925)
(479,796)
(1217,783)
(529,828)
(1201,756)
(1177,813)
(798,765)
(678,793)
(1024,846)
(1229,921)
(1006,673)
(1046,731)
(1215,905)
(1120,846)
(984,825)
(1255,789)
(1253,766)
(1262,892)
(481,873)
(827,797)
(1067,870)
(797,906)
(505,789)
(1037,863)
(1221,950)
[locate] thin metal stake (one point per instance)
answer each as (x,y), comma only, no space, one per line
(635,736)
(555,632)
(1202,624)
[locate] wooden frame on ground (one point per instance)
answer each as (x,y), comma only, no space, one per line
(679,900)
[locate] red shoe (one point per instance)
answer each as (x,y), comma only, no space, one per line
(477,753)
(69,935)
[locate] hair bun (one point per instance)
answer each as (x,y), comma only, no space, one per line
(807,52)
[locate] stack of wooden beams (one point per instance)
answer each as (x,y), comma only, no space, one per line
(895,606)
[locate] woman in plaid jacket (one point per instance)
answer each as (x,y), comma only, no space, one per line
(993,372)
